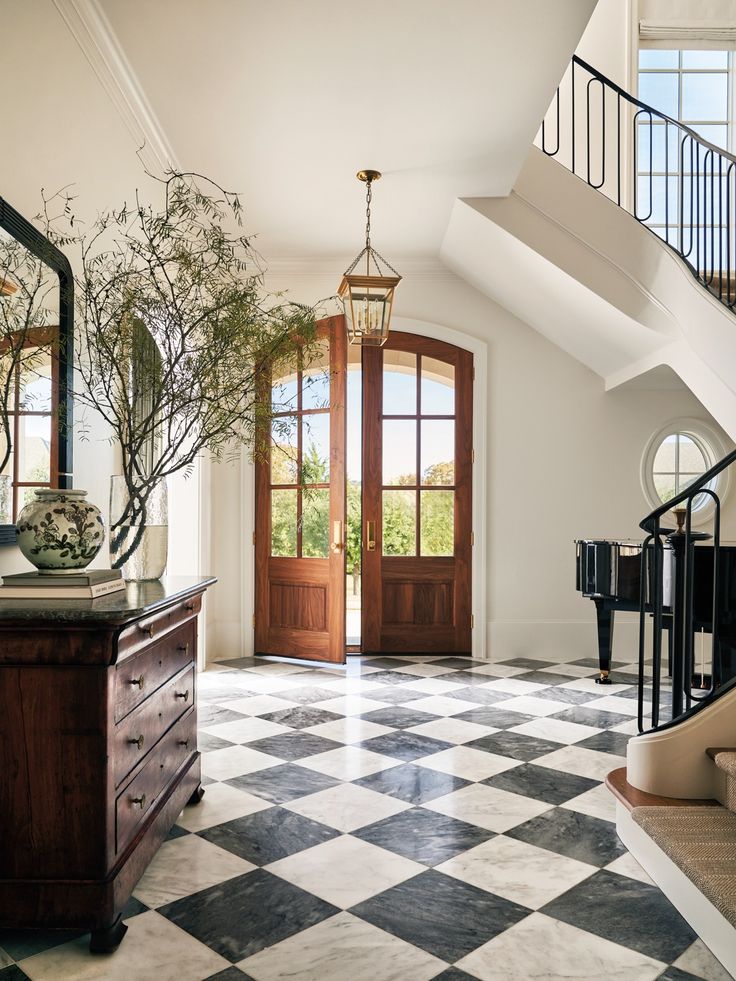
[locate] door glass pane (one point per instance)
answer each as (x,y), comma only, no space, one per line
(284,394)
(35,385)
(283,522)
(438,451)
(315,523)
(399,383)
(316,379)
(399,522)
(438,388)
(437,516)
(284,450)
(34,443)
(316,448)
(354,515)
(399,452)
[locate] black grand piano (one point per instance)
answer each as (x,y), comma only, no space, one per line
(610,574)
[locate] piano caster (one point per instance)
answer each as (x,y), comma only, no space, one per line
(603,679)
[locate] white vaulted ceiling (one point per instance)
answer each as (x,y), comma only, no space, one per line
(283,100)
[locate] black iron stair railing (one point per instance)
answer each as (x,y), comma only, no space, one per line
(676,612)
(663,173)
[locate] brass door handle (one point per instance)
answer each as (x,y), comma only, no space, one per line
(138,742)
(138,681)
(182,694)
(140,801)
(370,534)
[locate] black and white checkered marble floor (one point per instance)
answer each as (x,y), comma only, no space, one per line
(398,819)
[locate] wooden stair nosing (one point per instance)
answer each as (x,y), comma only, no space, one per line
(632,797)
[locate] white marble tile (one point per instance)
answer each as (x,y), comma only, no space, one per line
(345,870)
(582,762)
(542,948)
(452,730)
(154,949)
(632,728)
(699,961)
(184,866)
(529,705)
(233,761)
(349,686)
(498,670)
(556,730)
(284,668)
(259,705)
(348,762)
(220,803)
(244,731)
(426,669)
(347,806)
(434,686)
(589,684)
(597,802)
(5,959)
(442,705)
(350,705)
(267,684)
(610,703)
(514,686)
(468,763)
(517,871)
(340,948)
(488,807)
(350,729)
(627,865)
(573,670)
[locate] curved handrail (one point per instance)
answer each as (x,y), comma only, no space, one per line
(692,490)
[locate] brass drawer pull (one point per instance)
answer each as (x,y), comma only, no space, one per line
(140,801)
(147,630)
(183,647)
(138,681)
(138,742)
(189,607)
(184,743)
(183,694)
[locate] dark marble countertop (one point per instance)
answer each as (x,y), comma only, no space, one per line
(139,599)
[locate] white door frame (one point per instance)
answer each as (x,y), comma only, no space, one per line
(479,350)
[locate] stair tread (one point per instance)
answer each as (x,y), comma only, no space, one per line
(724,758)
(632,797)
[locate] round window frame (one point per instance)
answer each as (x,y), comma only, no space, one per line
(710,443)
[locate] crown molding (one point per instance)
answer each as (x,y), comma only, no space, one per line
(94,34)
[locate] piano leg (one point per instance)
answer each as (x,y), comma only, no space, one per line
(604,617)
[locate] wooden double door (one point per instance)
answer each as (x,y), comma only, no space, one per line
(413,545)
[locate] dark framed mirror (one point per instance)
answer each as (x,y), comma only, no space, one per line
(42,408)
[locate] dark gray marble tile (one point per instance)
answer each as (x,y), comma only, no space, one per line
(532,663)
(587,662)
(543,678)
(20,944)
(239,917)
(405,746)
(541,783)
(398,717)
(281,783)
(454,974)
(305,695)
(557,694)
(242,662)
(268,835)
(440,914)
(390,663)
(133,908)
(398,695)
(607,742)
(176,832)
(461,663)
(587,839)
(215,715)
(413,784)
(489,715)
(424,836)
(223,693)
(229,974)
(515,745)
(626,911)
(470,678)
(294,745)
(393,678)
(206,742)
(671,974)
(592,717)
(483,696)
(13,973)
(301,718)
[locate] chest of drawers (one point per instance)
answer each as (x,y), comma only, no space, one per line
(98,749)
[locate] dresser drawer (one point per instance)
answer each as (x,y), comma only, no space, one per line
(134,805)
(139,635)
(139,676)
(137,735)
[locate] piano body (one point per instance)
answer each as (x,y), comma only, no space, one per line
(609,573)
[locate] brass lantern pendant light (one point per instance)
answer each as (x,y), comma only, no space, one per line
(368,296)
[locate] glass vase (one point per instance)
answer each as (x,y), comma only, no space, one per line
(6,499)
(139,530)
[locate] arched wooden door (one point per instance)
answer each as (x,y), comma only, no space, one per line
(300,509)
(417,496)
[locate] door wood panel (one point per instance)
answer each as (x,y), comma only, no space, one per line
(417,603)
(300,601)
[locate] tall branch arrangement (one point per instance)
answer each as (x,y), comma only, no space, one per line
(174,331)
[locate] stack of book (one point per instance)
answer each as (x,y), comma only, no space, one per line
(85,584)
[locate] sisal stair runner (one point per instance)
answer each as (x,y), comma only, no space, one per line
(701,840)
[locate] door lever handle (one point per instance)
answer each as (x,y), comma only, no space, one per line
(370,534)
(337,543)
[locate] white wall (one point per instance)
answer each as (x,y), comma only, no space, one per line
(563,462)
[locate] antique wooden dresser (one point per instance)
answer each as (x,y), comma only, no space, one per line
(98,749)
